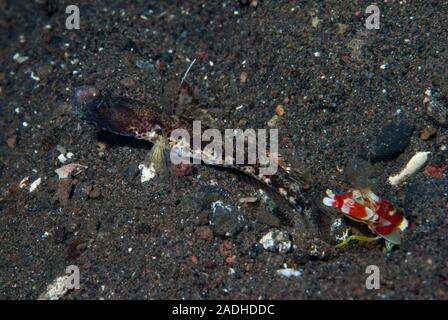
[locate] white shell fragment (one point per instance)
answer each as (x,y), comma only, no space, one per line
(289,272)
(64,171)
(148,173)
(24,182)
(415,164)
(35,184)
(62,158)
(19,58)
(55,290)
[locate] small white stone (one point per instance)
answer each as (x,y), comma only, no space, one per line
(19,59)
(276,240)
(62,158)
(35,184)
(289,272)
(35,78)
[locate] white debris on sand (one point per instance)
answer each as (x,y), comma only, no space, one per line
(64,171)
(19,58)
(276,240)
(415,164)
(35,184)
(62,158)
(248,200)
(55,290)
(24,182)
(289,272)
(148,173)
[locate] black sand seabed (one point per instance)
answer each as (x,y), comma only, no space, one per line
(153,240)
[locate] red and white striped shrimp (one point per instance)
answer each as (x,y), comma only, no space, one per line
(364,206)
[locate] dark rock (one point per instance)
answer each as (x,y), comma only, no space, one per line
(255,251)
(226,220)
(391,141)
(132,170)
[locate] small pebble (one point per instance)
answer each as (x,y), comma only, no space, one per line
(248,200)
(389,143)
(434,171)
(19,59)
(230,259)
(427,133)
(279,110)
(276,241)
(273,121)
(243,77)
(11,141)
(226,220)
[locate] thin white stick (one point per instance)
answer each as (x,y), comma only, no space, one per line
(188,70)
